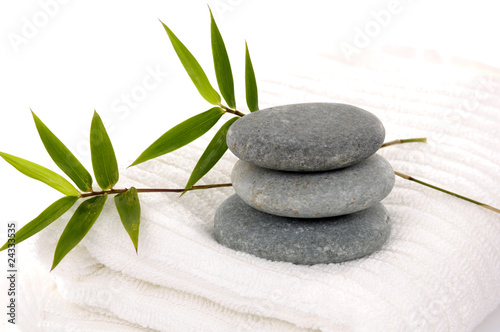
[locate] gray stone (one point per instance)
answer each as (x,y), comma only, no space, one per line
(306,137)
(300,241)
(314,194)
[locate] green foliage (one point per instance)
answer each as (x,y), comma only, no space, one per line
(222,66)
(214,151)
(193,69)
(193,128)
(104,161)
(63,158)
(103,156)
(182,134)
(41,173)
(78,226)
(49,215)
(129,209)
(106,171)
(250,83)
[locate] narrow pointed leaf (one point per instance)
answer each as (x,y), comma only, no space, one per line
(129,209)
(250,83)
(193,69)
(222,66)
(182,134)
(63,158)
(41,173)
(103,156)
(78,226)
(214,151)
(49,215)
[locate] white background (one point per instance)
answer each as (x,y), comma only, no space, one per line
(63,59)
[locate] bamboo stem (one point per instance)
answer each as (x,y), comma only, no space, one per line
(230,110)
(156,190)
(410,178)
(402,141)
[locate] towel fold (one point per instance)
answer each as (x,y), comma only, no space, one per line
(439,270)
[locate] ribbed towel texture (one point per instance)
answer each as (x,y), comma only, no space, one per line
(439,270)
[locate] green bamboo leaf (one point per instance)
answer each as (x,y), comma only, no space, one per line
(182,134)
(103,156)
(193,69)
(250,83)
(214,151)
(222,66)
(41,173)
(49,215)
(63,158)
(129,209)
(78,226)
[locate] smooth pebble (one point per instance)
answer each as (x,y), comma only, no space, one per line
(314,194)
(300,241)
(306,137)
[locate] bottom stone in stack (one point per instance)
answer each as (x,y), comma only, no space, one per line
(301,240)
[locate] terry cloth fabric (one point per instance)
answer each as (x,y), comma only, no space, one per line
(439,270)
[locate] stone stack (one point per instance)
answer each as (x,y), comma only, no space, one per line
(308,184)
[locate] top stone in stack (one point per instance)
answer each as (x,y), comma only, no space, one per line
(306,137)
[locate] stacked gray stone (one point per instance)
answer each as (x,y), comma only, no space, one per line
(308,184)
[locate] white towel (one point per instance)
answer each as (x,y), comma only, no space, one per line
(439,270)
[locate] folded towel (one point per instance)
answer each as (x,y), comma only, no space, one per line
(439,270)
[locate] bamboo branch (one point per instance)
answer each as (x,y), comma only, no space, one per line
(156,190)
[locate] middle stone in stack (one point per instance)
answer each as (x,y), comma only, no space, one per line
(308,185)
